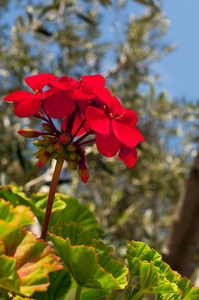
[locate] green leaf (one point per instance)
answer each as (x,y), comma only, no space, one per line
(92,294)
(20,298)
(68,209)
(60,283)
(87,259)
(13,194)
(28,262)
(12,218)
(65,209)
(155,276)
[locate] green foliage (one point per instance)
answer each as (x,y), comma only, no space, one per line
(25,261)
(65,208)
(87,259)
(60,283)
(12,218)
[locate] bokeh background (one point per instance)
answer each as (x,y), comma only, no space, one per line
(148,52)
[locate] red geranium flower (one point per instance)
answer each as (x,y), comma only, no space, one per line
(27,104)
(62,103)
(113,124)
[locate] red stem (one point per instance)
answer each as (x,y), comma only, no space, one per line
(86,142)
(82,137)
(78,129)
(51,196)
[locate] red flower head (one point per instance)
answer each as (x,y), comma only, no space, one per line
(62,103)
(113,124)
(27,104)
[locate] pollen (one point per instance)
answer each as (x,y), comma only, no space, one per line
(36,92)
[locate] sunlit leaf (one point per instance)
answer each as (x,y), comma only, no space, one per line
(145,263)
(66,209)
(27,262)
(88,260)
(92,294)
(60,283)
(12,218)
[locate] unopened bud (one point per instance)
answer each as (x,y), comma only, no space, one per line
(46,138)
(65,138)
(59,147)
(72,164)
(50,148)
(72,155)
(70,147)
(29,133)
(47,127)
(40,152)
(65,156)
(83,172)
(55,155)
(43,160)
(78,158)
(40,143)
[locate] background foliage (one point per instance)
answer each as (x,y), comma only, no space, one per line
(65,37)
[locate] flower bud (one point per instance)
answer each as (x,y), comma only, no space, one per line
(50,148)
(83,172)
(72,155)
(29,133)
(65,138)
(70,147)
(72,164)
(46,138)
(65,156)
(40,143)
(59,147)
(40,152)
(78,158)
(43,160)
(47,127)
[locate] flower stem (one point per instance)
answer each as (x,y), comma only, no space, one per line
(78,292)
(82,137)
(86,142)
(78,129)
(51,196)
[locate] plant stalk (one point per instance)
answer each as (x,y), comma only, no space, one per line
(78,292)
(51,196)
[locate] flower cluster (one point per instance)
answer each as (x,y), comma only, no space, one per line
(87,108)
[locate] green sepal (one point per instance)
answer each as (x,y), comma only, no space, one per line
(87,259)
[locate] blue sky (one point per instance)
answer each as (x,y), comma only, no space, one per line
(179,70)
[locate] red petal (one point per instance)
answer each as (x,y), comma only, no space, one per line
(97,120)
(59,105)
(107,145)
(76,124)
(80,95)
(60,85)
(125,134)
(27,107)
(104,95)
(117,107)
(128,155)
(130,118)
(140,136)
(19,96)
(93,80)
(37,82)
